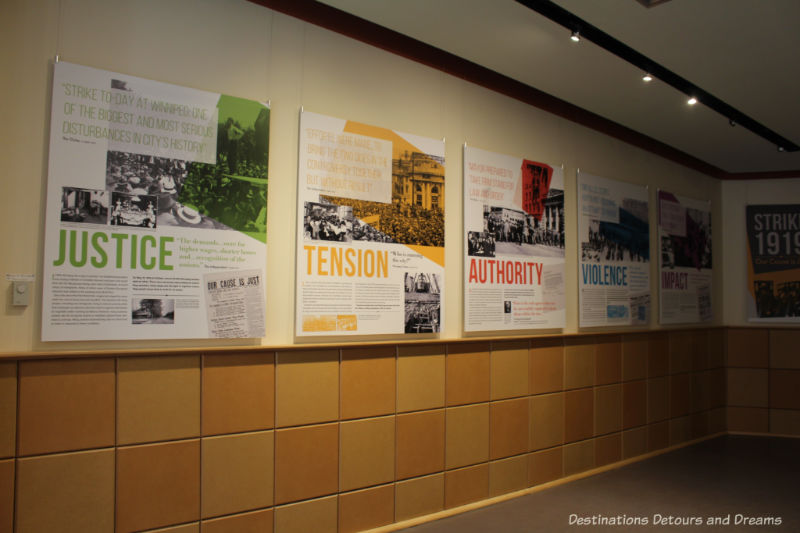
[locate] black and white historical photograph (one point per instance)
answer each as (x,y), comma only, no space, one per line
(480,244)
(777,299)
(152,311)
(133,210)
(87,206)
(626,240)
(163,179)
(692,250)
(509,231)
(422,302)
(327,221)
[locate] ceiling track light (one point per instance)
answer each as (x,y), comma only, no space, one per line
(559,15)
(692,101)
(575,37)
(647,77)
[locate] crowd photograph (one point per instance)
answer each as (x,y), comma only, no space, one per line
(509,231)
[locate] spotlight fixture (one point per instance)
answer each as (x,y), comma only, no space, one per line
(647,77)
(781,149)
(575,37)
(732,123)
(692,101)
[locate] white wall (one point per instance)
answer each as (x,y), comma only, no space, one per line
(239,48)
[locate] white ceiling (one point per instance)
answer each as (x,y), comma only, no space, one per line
(744,52)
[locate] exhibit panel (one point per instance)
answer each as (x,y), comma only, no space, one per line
(773,267)
(614,255)
(514,243)
(685,259)
(156,210)
(370,233)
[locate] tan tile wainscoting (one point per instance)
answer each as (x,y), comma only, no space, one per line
(343,439)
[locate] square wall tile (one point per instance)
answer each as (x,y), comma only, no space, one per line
(252,522)
(508,428)
(657,436)
(366,452)
(419,496)
(578,414)
(546,364)
(634,442)
(783,387)
(608,360)
(716,348)
(680,351)
(698,424)
(237,473)
(466,485)
(716,387)
(157,485)
(679,430)
(7,496)
(657,399)
(368,381)
(71,492)
(468,375)
(579,457)
(748,347)
(748,387)
(700,356)
(65,404)
(8,409)
(748,419)
(579,370)
(608,449)
(783,345)
(307,387)
(420,443)
(700,399)
(607,409)
(508,475)
(467,435)
(238,393)
(509,369)
(317,516)
(634,356)
(366,509)
(784,422)
(159,398)
(657,354)
(544,466)
(634,404)
(420,377)
(546,420)
(306,462)
(717,420)
(679,395)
